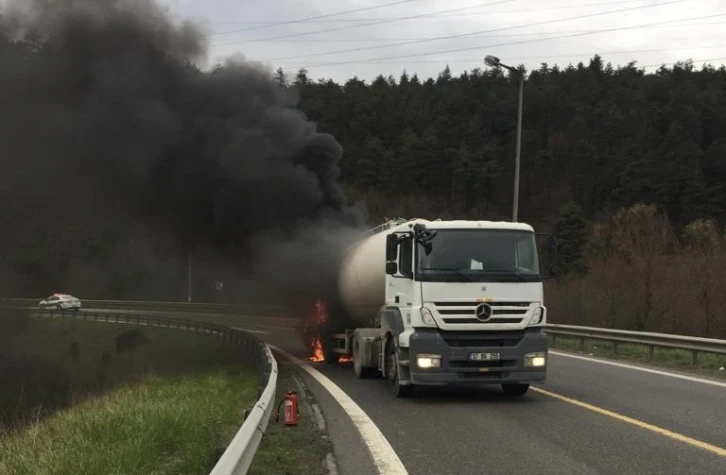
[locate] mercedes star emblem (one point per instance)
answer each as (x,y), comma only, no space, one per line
(483,312)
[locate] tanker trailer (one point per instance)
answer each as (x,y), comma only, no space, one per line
(445,303)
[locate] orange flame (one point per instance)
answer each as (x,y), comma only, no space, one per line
(318,319)
(317,350)
(313,326)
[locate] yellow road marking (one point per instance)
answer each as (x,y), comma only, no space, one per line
(643,425)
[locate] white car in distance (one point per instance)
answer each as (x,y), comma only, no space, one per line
(60,302)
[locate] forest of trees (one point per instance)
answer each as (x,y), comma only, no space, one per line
(593,134)
(627,168)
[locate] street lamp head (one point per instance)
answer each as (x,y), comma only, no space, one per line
(492,61)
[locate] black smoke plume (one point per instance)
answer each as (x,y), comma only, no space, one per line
(107,123)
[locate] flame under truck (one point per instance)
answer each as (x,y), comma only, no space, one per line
(444,303)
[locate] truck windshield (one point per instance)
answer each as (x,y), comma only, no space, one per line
(479,255)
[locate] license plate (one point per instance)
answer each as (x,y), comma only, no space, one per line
(484,356)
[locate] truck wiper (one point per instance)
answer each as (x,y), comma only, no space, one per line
(508,272)
(457,272)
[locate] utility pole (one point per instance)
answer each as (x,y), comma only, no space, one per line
(494,62)
(515,200)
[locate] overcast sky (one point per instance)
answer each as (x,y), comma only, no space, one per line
(517,31)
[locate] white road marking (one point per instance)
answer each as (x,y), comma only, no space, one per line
(643,369)
(384,457)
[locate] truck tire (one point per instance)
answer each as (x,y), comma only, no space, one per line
(515,389)
(360,371)
(392,377)
(330,356)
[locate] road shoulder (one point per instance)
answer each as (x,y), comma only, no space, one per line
(300,449)
(349,450)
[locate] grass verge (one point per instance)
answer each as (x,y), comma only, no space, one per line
(666,358)
(72,401)
(295,450)
(48,365)
(166,425)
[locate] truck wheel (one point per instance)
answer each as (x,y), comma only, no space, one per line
(515,389)
(392,376)
(360,371)
(331,357)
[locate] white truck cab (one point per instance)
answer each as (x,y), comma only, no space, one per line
(446,303)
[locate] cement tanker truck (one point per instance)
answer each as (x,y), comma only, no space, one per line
(444,303)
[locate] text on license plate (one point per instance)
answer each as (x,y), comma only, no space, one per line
(484,356)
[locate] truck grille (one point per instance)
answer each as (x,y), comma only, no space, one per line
(465,312)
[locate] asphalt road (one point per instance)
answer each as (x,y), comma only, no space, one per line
(481,432)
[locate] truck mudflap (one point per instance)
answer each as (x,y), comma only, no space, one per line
(474,358)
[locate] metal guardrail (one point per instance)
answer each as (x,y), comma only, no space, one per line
(236,460)
(184,307)
(239,454)
(650,340)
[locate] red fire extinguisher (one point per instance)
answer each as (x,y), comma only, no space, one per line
(291,409)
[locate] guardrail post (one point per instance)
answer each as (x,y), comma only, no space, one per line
(615,347)
(581,344)
(694,358)
(651,349)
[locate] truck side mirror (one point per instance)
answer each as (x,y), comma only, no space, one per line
(391,247)
(391,268)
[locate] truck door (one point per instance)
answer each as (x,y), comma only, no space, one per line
(400,290)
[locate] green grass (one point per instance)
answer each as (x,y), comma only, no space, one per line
(167,406)
(166,425)
(41,374)
(707,364)
(296,450)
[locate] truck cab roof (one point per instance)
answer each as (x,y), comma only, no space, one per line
(466,224)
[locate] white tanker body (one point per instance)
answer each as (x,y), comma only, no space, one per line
(445,303)
(362,278)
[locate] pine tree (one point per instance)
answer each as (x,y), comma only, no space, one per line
(570,231)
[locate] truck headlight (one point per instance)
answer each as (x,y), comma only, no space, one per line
(427,317)
(537,316)
(426,360)
(535,360)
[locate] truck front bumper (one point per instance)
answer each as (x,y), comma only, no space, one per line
(456,368)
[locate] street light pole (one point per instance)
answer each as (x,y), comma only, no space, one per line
(494,62)
(515,201)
